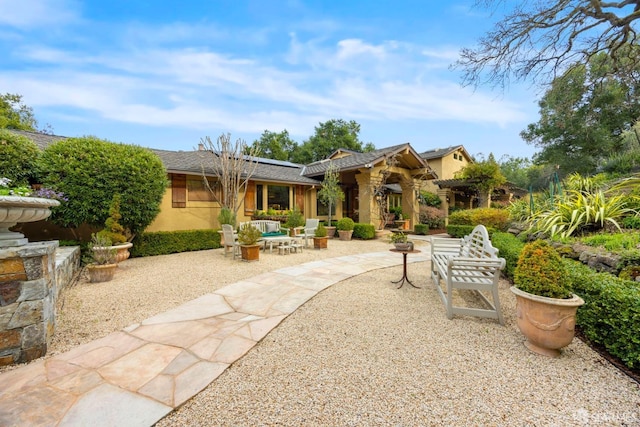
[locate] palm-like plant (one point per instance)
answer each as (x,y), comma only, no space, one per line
(577,210)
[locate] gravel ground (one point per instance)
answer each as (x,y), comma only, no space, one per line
(359,353)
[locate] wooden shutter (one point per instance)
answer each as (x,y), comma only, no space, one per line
(250,199)
(178,191)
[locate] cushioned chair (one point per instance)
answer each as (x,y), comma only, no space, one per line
(230,240)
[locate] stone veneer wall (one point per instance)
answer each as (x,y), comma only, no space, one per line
(28,293)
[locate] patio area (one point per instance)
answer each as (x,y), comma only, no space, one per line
(349,349)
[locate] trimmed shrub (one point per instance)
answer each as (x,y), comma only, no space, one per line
(459,231)
(363,231)
(540,271)
(432,217)
(169,242)
(18,156)
(489,217)
(345,224)
(461,217)
(421,229)
(611,313)
(430,199)
(509,248)
(89,171)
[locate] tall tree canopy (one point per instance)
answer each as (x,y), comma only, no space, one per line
(483,176)
(540,40)
(272,145)
(583,115)
(14,114)
(330,136)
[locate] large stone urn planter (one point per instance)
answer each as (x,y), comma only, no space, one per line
(122,250)
(18,209)
(547,323)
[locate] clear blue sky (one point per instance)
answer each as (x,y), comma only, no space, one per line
(165,74)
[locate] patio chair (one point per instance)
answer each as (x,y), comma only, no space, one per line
(230,240)
(309,230)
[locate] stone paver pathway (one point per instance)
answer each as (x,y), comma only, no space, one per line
(136,376)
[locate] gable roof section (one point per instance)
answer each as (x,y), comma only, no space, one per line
(438,153)
(357,160)
(267,169)
(42,140)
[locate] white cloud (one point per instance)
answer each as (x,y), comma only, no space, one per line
(28,14)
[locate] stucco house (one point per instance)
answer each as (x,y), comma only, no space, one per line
(281,185)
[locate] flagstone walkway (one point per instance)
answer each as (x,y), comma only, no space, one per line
(136,376)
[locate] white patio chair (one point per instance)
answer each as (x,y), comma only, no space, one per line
(309,230)
(230,240)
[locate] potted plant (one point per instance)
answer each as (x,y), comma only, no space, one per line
(101,265)
(401,241)
(248,237)
(330,195)
(295,220)
(320,238)
(114,232)
(545,306)
(345,228)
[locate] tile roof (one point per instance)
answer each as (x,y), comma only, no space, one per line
(441,152)
(42,140)
(267,170)
(355,161)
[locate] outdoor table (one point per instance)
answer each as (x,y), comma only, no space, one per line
(279,240)
(404,266)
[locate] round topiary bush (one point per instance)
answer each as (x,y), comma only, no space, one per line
(345,224)
(89,171)
(540,271)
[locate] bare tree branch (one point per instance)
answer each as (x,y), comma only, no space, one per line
(539,40)
(232,167)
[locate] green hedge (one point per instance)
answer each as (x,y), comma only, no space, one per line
(611,314)
(459,230)
(421,229)
(169,242)
(364,231)
(509,247)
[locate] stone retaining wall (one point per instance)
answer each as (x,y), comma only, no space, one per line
(30,282)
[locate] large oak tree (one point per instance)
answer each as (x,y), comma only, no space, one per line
(539,40)
(583,116)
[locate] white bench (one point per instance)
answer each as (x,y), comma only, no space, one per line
(266,226)
(470,263)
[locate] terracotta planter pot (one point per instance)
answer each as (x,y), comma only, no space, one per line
(331,232)
(101,273)
(122,251)
(345,234)
(547,323)
(250,252)
(320,242)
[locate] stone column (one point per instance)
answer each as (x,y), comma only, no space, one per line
(28,293)
(367,207)
(410,201)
